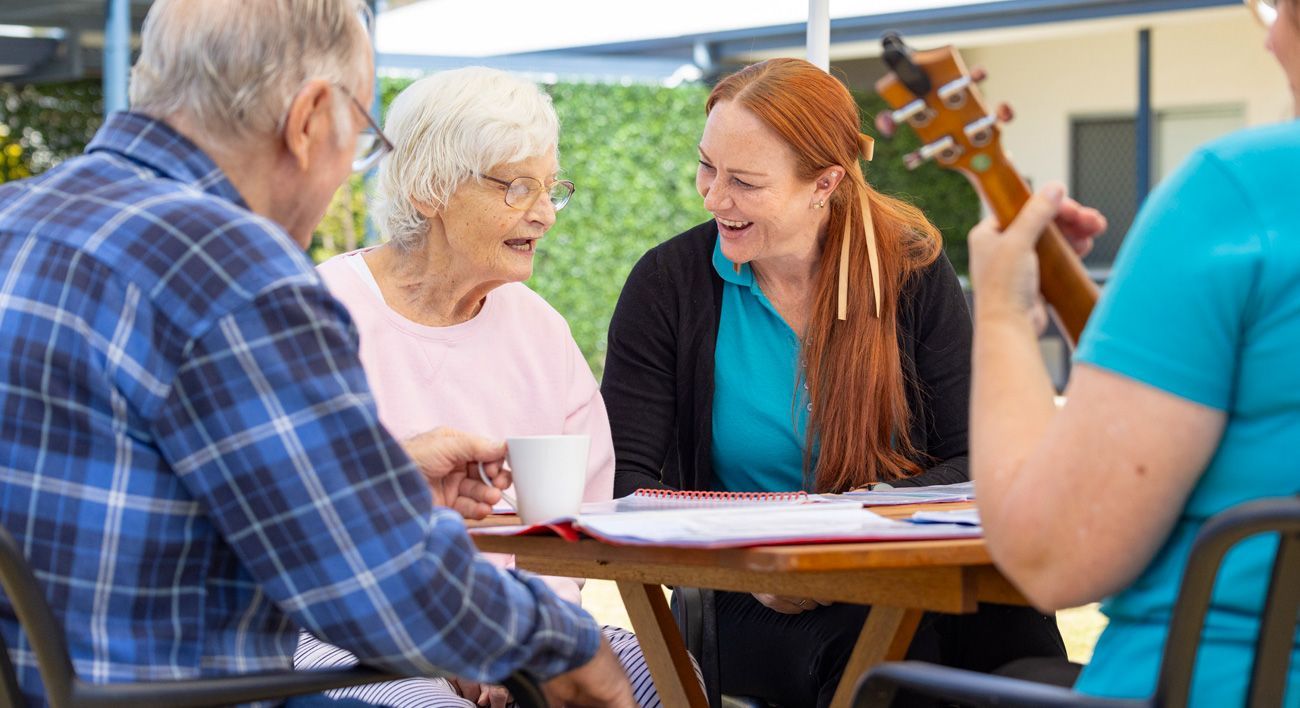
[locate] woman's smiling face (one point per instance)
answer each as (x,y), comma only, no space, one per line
(749,179)
(490,241)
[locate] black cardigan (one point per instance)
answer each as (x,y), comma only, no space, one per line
(658,382)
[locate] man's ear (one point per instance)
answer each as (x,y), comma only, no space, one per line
(310,119)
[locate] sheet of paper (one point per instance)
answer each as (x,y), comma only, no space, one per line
(813,523)
(969,517)
(962,491)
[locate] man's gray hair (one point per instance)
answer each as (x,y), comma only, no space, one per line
(232,67)
(451,127)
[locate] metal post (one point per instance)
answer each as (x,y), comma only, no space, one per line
(819,33)
(376,101)
(117,54)
(1144,125)
(371,235)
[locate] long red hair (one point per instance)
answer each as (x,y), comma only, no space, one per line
(860,415)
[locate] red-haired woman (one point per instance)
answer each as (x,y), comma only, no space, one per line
(812,336)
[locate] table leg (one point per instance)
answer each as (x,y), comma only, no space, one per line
(885,636)
(665,652)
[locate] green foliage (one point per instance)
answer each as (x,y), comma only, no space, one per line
(343,228)
(631,151)
(41,126)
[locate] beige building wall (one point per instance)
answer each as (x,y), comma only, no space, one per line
(1213,58)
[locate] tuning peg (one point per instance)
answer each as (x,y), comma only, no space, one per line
(978,74)
(1005,113)
(885,124)
(945,149)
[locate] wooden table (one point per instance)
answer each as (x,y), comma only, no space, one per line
(900,579)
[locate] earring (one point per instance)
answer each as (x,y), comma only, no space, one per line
(821,204)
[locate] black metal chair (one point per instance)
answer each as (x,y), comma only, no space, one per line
(64,690)
(1220,534)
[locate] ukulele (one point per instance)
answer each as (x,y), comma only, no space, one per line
(934,93)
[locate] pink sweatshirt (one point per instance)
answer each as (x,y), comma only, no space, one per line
(512,370)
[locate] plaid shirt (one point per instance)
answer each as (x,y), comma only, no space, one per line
(191,458)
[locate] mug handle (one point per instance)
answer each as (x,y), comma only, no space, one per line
(482,474)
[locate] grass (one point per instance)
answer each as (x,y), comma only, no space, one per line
(1080,626)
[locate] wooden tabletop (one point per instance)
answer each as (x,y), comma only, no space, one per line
(955,573)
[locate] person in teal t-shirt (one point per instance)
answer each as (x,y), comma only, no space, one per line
(1185,402)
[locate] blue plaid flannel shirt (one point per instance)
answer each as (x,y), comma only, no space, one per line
(190,456)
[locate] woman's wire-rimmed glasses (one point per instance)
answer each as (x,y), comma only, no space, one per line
(1264,10)
(372,144)
(521,192)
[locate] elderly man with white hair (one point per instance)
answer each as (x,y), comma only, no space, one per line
(192,459)
(450,335)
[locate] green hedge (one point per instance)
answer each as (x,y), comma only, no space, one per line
(41,126)
(629,149)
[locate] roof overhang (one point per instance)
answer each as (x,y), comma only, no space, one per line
(56,40)
(642,41)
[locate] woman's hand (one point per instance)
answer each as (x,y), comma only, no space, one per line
(449,460)
(1004,268)
(1081,225)
(788,605)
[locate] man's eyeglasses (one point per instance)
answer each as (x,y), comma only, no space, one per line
(372,145)
(521,192)
(1264,10)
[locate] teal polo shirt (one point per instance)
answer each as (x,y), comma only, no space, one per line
(759,416)
(1204,303)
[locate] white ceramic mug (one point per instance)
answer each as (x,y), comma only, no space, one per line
(550,473)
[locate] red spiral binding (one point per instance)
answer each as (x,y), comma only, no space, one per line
(721,496)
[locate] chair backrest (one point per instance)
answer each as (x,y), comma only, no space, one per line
(44,633)
(9,693)
(1276,639)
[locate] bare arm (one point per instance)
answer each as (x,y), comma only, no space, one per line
(1075,503)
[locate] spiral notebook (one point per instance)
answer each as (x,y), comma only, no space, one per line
(673,499)
(732,527)
(668,499)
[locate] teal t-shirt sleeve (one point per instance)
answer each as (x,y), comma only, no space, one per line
(1173,312)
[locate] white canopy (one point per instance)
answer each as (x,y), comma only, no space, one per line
(479,28)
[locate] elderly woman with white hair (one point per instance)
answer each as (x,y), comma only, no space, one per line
(450,335)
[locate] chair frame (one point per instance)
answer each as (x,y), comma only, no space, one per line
(63,689)
(1216,538)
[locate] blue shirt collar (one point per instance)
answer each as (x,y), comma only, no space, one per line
(158,147)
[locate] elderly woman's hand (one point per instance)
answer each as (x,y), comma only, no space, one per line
(482,694)
(1004,269)
(449,460)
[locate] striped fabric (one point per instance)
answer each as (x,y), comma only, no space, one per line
(438,693)
(189,453)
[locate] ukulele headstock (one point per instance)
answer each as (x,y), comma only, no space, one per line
(933,93)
